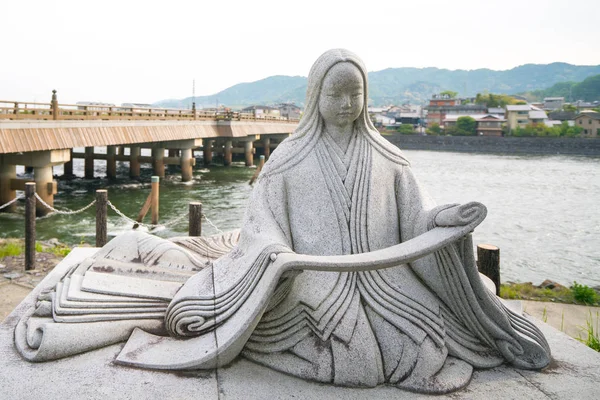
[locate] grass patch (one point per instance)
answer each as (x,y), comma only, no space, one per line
(593,340)
(60,250)
(577,294)
(10,249)
(526,291)
(584,294)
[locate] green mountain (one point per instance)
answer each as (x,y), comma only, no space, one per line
(401,85)
(588,90)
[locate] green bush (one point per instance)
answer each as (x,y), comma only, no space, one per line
(584,294)
(406,129)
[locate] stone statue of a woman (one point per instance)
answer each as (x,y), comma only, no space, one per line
(345,271)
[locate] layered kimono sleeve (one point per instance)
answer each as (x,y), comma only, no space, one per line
(479,328)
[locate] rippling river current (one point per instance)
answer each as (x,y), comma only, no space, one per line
(543,211)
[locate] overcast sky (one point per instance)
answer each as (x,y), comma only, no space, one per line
(144,51)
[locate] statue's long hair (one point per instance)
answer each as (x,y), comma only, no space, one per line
(295,148)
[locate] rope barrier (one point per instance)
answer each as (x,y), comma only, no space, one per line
(211,224)
(114,208)
(11,202)
(63,212)
(148,226)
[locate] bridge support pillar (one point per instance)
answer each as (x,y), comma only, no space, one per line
(267,147)
(158,162)
(46,188)
(111,162)
(227,152)
(248,153)
(134,162)
(187,161)
(207,150)
(68,166)
(89,163)
(7,173)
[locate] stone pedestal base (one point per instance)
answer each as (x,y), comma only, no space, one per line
(574,373)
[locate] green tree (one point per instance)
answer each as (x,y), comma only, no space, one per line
(434,129)
(466,126)
(449,93)
(569,108)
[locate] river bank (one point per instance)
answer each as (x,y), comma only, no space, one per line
(498,145)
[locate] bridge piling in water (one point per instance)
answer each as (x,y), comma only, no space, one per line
(7,193)
(227,152)
(207,151)
(134,162)
(158,164)
(111,162)
(89,163)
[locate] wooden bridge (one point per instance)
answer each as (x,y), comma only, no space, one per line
(43,135)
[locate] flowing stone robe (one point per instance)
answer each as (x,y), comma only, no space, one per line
(421,326)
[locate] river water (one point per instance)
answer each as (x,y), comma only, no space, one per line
(543,211)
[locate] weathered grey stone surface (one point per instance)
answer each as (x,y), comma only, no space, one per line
(345,272)
(573,374)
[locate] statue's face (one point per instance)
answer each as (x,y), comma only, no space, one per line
(342,95)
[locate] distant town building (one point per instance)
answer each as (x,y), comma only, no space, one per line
(522,115)
(498,111)
(562,115)
(590,122)
(442,105)
(289,110)
(262,111)
(582,105)
(554,103)
(487,124)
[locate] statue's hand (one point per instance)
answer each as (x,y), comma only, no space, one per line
(459,215)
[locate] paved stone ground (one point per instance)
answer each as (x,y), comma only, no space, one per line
(573,374)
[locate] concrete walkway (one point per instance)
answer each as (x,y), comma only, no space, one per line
(568,318)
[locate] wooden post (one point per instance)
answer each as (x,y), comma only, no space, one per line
(154,204)
(29,226)
(89,163)
(101,223)
(195,225)
(488,263)
(54,105)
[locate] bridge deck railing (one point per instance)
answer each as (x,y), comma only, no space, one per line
(16,110)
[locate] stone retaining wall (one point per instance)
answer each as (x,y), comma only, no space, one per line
(506,145)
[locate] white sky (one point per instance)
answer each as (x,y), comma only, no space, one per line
(144,51)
